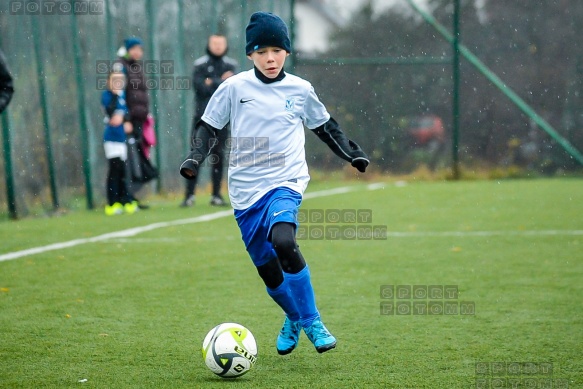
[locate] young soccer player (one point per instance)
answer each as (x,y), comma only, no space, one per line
(268,174)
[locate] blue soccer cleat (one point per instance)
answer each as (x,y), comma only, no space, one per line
(288,337)
(319,335)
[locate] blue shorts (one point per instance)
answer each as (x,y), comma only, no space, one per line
(276,206)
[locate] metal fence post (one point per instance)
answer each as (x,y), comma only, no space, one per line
(243,55)
(214,17)
(154,55)
(45,109)
(109,28)
(456,90)
(182,71)
(81,107)
(292,36)
(7,147)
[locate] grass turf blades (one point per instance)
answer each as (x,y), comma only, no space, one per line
(132,312)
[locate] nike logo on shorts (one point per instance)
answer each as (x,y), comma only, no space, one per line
(279,213)
(243,101)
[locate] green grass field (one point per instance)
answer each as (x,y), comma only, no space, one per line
(132,312)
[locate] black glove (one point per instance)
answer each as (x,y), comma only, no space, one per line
(359,158)
(189,168)
(331,134)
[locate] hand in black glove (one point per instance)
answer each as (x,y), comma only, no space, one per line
(359,158)
(189,168)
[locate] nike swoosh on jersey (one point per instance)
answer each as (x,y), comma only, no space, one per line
(275,214)
(243,101)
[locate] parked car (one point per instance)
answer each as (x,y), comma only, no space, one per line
(424,129)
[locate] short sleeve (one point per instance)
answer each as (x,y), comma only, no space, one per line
(218,110)
(315,113)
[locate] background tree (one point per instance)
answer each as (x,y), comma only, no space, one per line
(533,48)
(371,101)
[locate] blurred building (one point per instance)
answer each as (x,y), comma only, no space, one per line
(316,19)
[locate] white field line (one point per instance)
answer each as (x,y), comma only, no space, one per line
(395,234)
(124,234)
(113,235)
(138,230)
(391,234)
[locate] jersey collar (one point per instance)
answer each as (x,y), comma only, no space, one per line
(267,80)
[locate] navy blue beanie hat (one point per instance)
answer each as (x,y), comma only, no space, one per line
(133,41)
(264,30)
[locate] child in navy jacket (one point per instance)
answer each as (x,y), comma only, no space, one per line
(114,144)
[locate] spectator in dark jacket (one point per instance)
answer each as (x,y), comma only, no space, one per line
(209,72)
(137,100)
(6,85)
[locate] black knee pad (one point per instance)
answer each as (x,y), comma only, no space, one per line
(271,273)
(284,243)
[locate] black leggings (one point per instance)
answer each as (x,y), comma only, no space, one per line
(289,258)
(117,191)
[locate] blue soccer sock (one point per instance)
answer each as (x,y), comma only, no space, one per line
(283,297)
(303,294)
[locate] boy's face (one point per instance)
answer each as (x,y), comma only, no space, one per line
(269,60)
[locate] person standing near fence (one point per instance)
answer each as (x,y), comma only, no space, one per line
(138,104)
(6,84)
(117,125)
(209,73)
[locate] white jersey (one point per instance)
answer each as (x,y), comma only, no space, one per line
(267,133)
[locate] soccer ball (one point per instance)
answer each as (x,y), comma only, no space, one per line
(229,350)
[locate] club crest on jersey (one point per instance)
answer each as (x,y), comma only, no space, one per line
(290,104)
